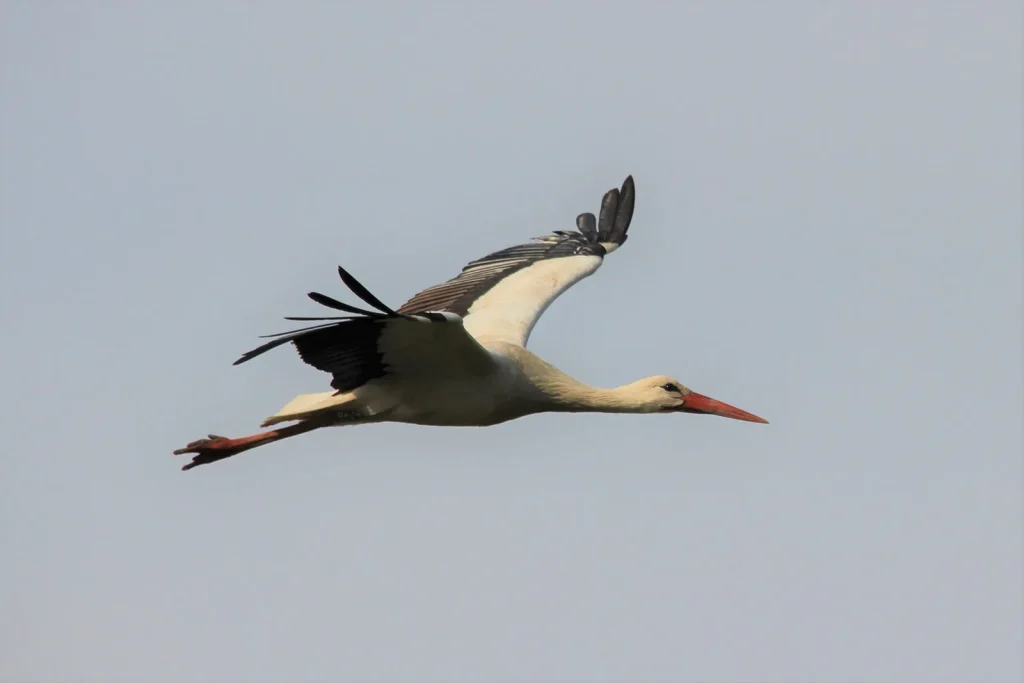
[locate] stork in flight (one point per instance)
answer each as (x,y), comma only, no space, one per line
(455,354)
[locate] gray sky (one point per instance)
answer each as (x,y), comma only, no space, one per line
(827,233)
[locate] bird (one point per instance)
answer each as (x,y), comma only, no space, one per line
(455,354)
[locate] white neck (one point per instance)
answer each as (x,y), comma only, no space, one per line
(561,393)
(582,398)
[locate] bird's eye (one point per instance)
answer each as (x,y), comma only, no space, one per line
(672,387)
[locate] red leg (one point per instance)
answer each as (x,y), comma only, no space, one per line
(219,447)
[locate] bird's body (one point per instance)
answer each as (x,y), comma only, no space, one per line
(518,384)
(499,393)
(455,354)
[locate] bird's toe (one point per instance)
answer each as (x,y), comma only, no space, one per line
(213,443)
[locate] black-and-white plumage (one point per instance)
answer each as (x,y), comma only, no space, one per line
(478,277)
(369,344)
(454,354)
(501,295)
(497,297)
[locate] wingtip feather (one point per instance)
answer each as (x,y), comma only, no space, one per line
(586,223)
(616,213)
(363,293)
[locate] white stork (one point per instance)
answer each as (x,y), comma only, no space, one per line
(455,354)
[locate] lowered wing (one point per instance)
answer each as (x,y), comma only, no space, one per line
(370,344)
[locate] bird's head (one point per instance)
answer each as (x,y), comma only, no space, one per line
(661,394)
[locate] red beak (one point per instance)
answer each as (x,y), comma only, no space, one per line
(699,403)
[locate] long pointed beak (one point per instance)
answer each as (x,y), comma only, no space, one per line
(699,403)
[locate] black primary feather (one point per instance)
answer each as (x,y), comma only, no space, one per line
(312,333)
(344,346)
(347,346)
(260,350)
(281,338)
(616,213)
(348,350)
(478,277)
(624,212)
(362,292)
(587,225)
(331,302)
(459,293)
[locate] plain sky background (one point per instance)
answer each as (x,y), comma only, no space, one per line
(827,233)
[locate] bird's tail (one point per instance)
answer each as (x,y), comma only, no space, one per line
(306,406)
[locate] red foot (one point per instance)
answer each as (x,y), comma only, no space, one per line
(219,447)
(212,449)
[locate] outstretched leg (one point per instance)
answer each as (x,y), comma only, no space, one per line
(219,447)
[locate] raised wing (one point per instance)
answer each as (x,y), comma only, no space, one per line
(502,295)
(367,345)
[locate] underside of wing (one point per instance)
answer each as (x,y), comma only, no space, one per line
(370,344)
(501,296)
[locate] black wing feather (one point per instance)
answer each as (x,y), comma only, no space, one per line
(347,350)
(346,346)
(624,212)
(314,343)
(331,302)
(362,292)
(478,277)
(617,213)
(260,350)
(587,225)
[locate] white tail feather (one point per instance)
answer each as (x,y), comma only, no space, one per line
(305,406)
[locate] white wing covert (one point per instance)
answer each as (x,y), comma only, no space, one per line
(437,333)
(501,296)
(367,345)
